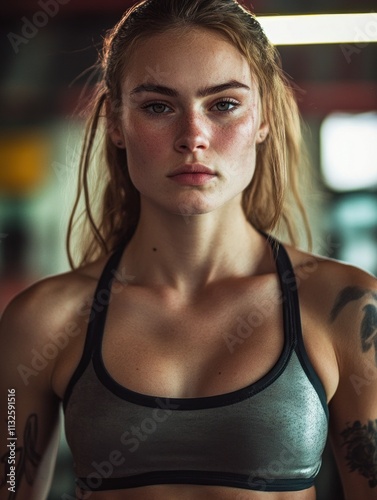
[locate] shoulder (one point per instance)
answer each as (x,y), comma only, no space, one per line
(330,282)
(49,308)
(341,297)
(51,297)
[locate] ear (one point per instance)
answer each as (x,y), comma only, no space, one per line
(113,128)
(262,132)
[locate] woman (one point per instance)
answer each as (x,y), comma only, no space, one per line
(195,356)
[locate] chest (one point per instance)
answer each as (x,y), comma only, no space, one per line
(230,337)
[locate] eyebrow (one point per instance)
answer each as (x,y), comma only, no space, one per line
(205,92)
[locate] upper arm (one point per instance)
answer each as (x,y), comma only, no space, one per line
(29,408)
(353,409)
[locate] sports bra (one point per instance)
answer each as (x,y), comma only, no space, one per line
(267,436)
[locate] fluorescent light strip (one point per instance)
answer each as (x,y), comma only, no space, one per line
(359,29)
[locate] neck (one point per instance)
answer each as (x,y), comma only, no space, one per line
(187,253)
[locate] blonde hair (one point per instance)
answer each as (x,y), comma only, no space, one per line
(265,201)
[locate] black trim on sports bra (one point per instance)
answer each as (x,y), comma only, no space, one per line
(95,321)
(208,478)
(288,278)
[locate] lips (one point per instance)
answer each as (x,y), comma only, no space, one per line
(192,168)
(192,174)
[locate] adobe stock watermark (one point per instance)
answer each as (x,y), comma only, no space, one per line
(68,170)
(40,359)
(59,341)
(131,439)
(259,315)
(262,477)
(255,319)
(156,74)
(136,435)
(30,27)
(94,480)
(363,37)
(369,375)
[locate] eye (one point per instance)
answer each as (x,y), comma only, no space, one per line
(156,108)
(227,105)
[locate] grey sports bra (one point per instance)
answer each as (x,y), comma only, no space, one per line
(267,436)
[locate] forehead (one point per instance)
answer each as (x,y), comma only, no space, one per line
(186,58)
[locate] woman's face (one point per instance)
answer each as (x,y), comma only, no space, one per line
(190,122)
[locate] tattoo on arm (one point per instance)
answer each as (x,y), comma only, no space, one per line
(346,295)
(368,328)
(27,457)
(361,444)
(368,331)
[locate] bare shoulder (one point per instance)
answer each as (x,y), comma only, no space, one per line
(47,308)
(51,297)
(335,292)
(327,271)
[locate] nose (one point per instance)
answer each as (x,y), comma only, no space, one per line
(192,134)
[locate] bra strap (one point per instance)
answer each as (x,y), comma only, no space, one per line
(97,317)
(288,286)
(292,317)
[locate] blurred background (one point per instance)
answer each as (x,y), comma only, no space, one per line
(48,49)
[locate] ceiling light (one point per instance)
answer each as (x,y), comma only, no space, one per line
(359,29)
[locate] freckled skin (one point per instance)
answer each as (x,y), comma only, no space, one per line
(191,128)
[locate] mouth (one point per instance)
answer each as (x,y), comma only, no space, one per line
(194,174)
(192,168)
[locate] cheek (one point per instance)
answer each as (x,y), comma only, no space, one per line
(239,136)
(143,142)
(236,143)
(236,151)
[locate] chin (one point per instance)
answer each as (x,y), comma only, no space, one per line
(187,211)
